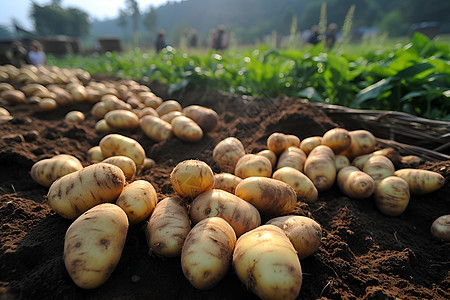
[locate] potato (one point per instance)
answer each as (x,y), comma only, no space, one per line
(293,140)
(126,164)
(14,96)
(99,110)
(361,160)
(112,103)
(440,228)
(147,111)
(421,181)
(115,144)
(168,106)
(75,193)
(277,142)
(75,116)
(4,112)
(392,196)
(379,167)
(362,142)
(390,153)
(265,260)
(167,228)
(95,155)
(252,165)
(310,143)
(292,157)
(355,183)
(138,200)
(169,116)
(338,139)
(226,182)
(46,171)
(148,163)
(61,96)
(271,197)
(47,104)
(102,126)
(78,93)
(155,128)
(227,153)
(270,155)
(321,168)
(122,119)
(186,129)
(304,233)
(6,87)
(190,178)
(93,245)
(410,161)
(206,118)
(207,252)
(240,214)
(35,89)
(303,186)
(341,161)
(153,102)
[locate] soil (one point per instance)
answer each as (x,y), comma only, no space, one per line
(364,254)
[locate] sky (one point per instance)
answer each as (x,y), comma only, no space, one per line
(100,9)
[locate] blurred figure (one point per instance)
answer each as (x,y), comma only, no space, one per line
(36,55)
(213,38)
(193,40)
(330,35)
(314,35)
(18,54)
(222,38)
(160,41)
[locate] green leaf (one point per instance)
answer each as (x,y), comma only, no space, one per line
(413,70)
(311,94)
(373,91)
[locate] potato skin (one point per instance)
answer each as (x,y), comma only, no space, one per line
(122,119)
(292,157)
(93,245)
(379,167)
(293,140)
(125,163)
(265,260)
(304,233)
(440,228)
(421,181)
(303,186)
(341,161)
(207,252)
(186,129)
(75,193)
(192,177)
(392,196)
(240,214)
(362,142)
(270,196)
(156,128)
(277,142)
(115,144)
(226,182)
(168,106)
(227,153)
(338,139)
(95,154)
(167,228)
(320,167)
(205,117)
(270,155)
(46,171)
(250,165)
(355,183)
(138,199)
(310,143)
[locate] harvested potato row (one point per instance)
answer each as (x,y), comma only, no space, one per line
(252,165)
(192,177)
(206,118)
(226,182)
(293,157)
(320,167)
(338,139)
(186,129)
(355,183)
(303,186)
(421,182)
(392,196)
(116,144)
(46,171)
(156,128)
(138,200)
(227,153)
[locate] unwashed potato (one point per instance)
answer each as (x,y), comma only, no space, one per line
(47,104)
(167,228)
(147,111)
(75,116)
(116,144)
(304,233)
(310,143)
(226,182)
(379,167)
(4,112)
(169,116)
(227,153)
(101,126)
(192,177)
(206,118)
(303,186)
(168,106)
(361,160)
(95,154)
(122,119)
(153,102)
(75,193)
(355,183)
(277,142)
(93,245)
(338,139)
(186,129)
(320,167)
(271,197)
(265,260)
(293,157)
(392,196)
(252,165)
(341,161)
(293,140)
(138,200)
(156,128)
(126,164)
(410,161)
(440,228)
(46,171)
(240,214)
(99,110)
(6,87)
(14,96)
(207,252)
(362,142)
(421,181)
(270,155)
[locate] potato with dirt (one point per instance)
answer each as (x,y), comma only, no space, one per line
(186,129)
(122,119)
(168,106)
(304,233)
(240,214)
(13,97)
(93,245)
(207,252)
(338,139)
(421,181)
(362,142)
(126,164)
(320,167)
(265,260)
(392,196)
(95,154)
(75,193)
(75,116)
(293,157)
(156,128)
(205,117)
(341,161)
(227,153)
(226,182)
(440,228)
(191,177)
(277,142)
(379,167)
(303,186)
(293,140)
(46,171)
(269,155)
(252,165)
(355,183)
(310,143)
(116,144)
(167,228)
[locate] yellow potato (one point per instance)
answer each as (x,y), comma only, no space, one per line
(126,164)
(75,193)
(95,154)
(303,186)
(138,200)
(310,143)
(361,160)
(101,126)
(320,167)
(338,139)
(421,181)
(4,112)
(168,106)
(355,183)
(293,157)
(410,161)
(270,155)
(46,171)
(75,116)
(362,142)
(207,252)
(190,178)
(293,140)
(226,182)
(147,111)
(47,104)
(440,228)
(265,260)
(227,153)
(379,167)
(206,118)
(112,103)
(6,87)
(251,165)
(240,214)
(153,102)
(304,233)
(148,163)
(122,119)
(186,129)
(392,196)
(270,196)
(167,228)
(93,245)
(115,144)
(79,93)
(14,96)
(341,161)
(277,142)
(169,116)
(156,128)
(99,110)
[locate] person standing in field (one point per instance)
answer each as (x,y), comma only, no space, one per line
(314,35)
(222,38)
(36,55)
(330,35)
(160,41)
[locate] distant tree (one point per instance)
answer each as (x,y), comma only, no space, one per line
(122,21)
(393,24)
(150,19)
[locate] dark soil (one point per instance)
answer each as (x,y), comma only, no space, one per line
(364,254)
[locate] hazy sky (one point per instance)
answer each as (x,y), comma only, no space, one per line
(101,9)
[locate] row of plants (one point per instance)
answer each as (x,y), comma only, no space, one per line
(412,77)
